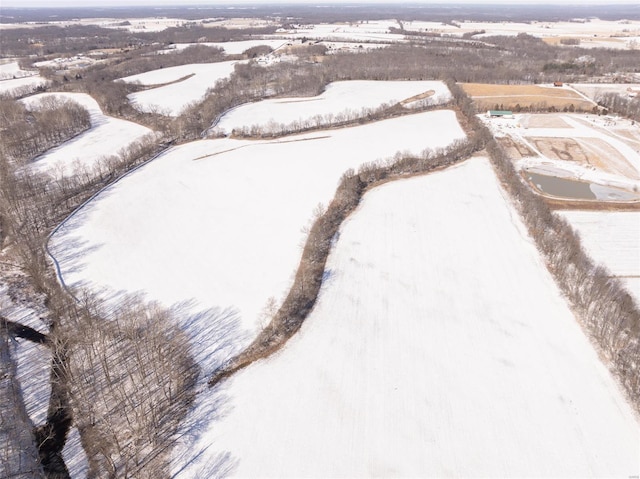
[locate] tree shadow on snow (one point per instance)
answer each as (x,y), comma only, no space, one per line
(215,336)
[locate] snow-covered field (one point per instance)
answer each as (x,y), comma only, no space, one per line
(610,34)
(154,24)
(593,33)
(66,63)
(172,99)
(340,99)
(106,137)
(348,33)
(613,239)
(440,347)
(230,48)
(21,86)
(14,81)
(11,69)
(219,221)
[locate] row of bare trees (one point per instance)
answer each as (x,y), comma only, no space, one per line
(623,105)
(606,310)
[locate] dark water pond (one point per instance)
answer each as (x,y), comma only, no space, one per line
(561,187)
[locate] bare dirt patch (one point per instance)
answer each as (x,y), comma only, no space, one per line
(545,121)
(515,149)
(487,96)
(605,157)
(592,152)
(563,204)
(421,96)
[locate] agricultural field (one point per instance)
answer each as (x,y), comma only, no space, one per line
(612,238)
(11,70)
(230,48)
(515,97)
(188,84)
(340,101)
(106,137)
(225,209)
(14,81)
(171,249)
(405,370)
(373,31)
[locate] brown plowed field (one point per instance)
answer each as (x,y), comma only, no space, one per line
(487,96)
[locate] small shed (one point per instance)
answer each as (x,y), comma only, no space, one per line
(499,114)
(558,83)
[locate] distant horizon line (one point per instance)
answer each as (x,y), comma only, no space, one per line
(512,3)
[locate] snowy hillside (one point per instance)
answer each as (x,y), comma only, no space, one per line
(172,99)
(219,221)
(440,347)
(340,99)
(107,136)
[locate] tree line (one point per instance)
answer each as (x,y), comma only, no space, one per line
(607,312)
(26,133)
(299,302)
(124,377)
(628,107)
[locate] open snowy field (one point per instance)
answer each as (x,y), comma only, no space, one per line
(590,34)
(219,221)
(611,238)
(66,63)
(170,74)
(21,86)
(11,69)
(107,136)
(373,31)
(154,24)
(339,100)
(440,347)
(172,99)
(230,48)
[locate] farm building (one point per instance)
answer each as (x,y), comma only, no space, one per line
(499,114)
(557,83)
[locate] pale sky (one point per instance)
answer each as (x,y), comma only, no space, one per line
(129,3)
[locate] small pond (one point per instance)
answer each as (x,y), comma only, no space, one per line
(577,190)
(561,187)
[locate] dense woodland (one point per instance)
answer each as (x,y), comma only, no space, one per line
(25,134)
(91,357)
